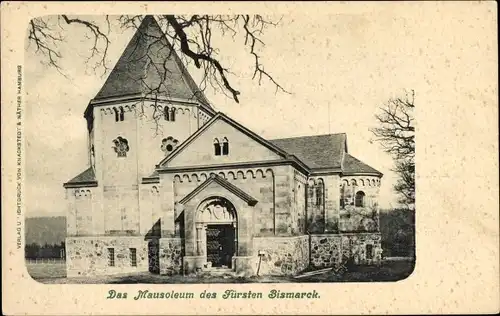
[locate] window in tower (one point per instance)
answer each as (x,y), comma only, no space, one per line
(168,144)
(217,147)
(225,146)
(92,156)
(172,114)
(122,113)
(166,113)
(121,146)
(116,114)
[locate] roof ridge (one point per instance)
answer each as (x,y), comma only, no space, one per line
(318,135)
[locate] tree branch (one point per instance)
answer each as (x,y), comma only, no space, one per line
(396,134)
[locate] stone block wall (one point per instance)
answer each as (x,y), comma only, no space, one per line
(281,255)
(111,169)
(332,203)
(358,219)
(121,209)
(171,253)
(88,256)
(323,204)
(315,206)
(257,182)
(150,209)
(299,193)
(152,133)
(327,250)
(356,246)
(285,220)
(145,136)
(264,210)
(369,185)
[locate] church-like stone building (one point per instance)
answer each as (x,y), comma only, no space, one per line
(175,187)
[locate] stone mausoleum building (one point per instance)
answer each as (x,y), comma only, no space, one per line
(194,191)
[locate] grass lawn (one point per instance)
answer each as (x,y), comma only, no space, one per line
(389,271)
(40,271)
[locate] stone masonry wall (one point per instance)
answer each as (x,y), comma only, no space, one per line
(315,210)
(88,256)
(363,217)
(299,192)
(325,250)
(171,253)
(355,246)
(281,255)
(329,250)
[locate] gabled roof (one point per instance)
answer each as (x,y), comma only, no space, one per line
(84,179)
(325,152)
(320,151)
(228,120)
(355,166)
(223,183)
(150,62)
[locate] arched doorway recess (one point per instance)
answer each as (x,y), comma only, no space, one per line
(216,232)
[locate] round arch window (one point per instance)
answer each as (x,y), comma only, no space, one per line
(359,199)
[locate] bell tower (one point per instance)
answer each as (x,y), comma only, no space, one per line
(148,105)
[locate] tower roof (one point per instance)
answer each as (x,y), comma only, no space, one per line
(150,65)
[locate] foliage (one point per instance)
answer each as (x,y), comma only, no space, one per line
(397,227)
(46,251)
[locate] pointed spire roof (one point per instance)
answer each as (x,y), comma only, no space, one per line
(148,65)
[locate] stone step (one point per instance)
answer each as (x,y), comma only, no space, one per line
(217,272)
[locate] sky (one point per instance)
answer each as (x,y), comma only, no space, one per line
(339,68)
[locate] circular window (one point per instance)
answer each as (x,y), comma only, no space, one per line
(168,144)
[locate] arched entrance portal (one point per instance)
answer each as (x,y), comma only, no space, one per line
(216,232)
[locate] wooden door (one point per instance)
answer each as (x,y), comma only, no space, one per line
(220,245)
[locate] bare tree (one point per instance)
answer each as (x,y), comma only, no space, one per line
(191,35)
(396,134)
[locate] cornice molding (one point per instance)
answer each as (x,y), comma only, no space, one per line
(223,183)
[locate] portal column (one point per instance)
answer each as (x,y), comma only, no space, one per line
(235,227)
(199,227)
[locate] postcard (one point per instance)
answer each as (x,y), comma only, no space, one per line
(229,158)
